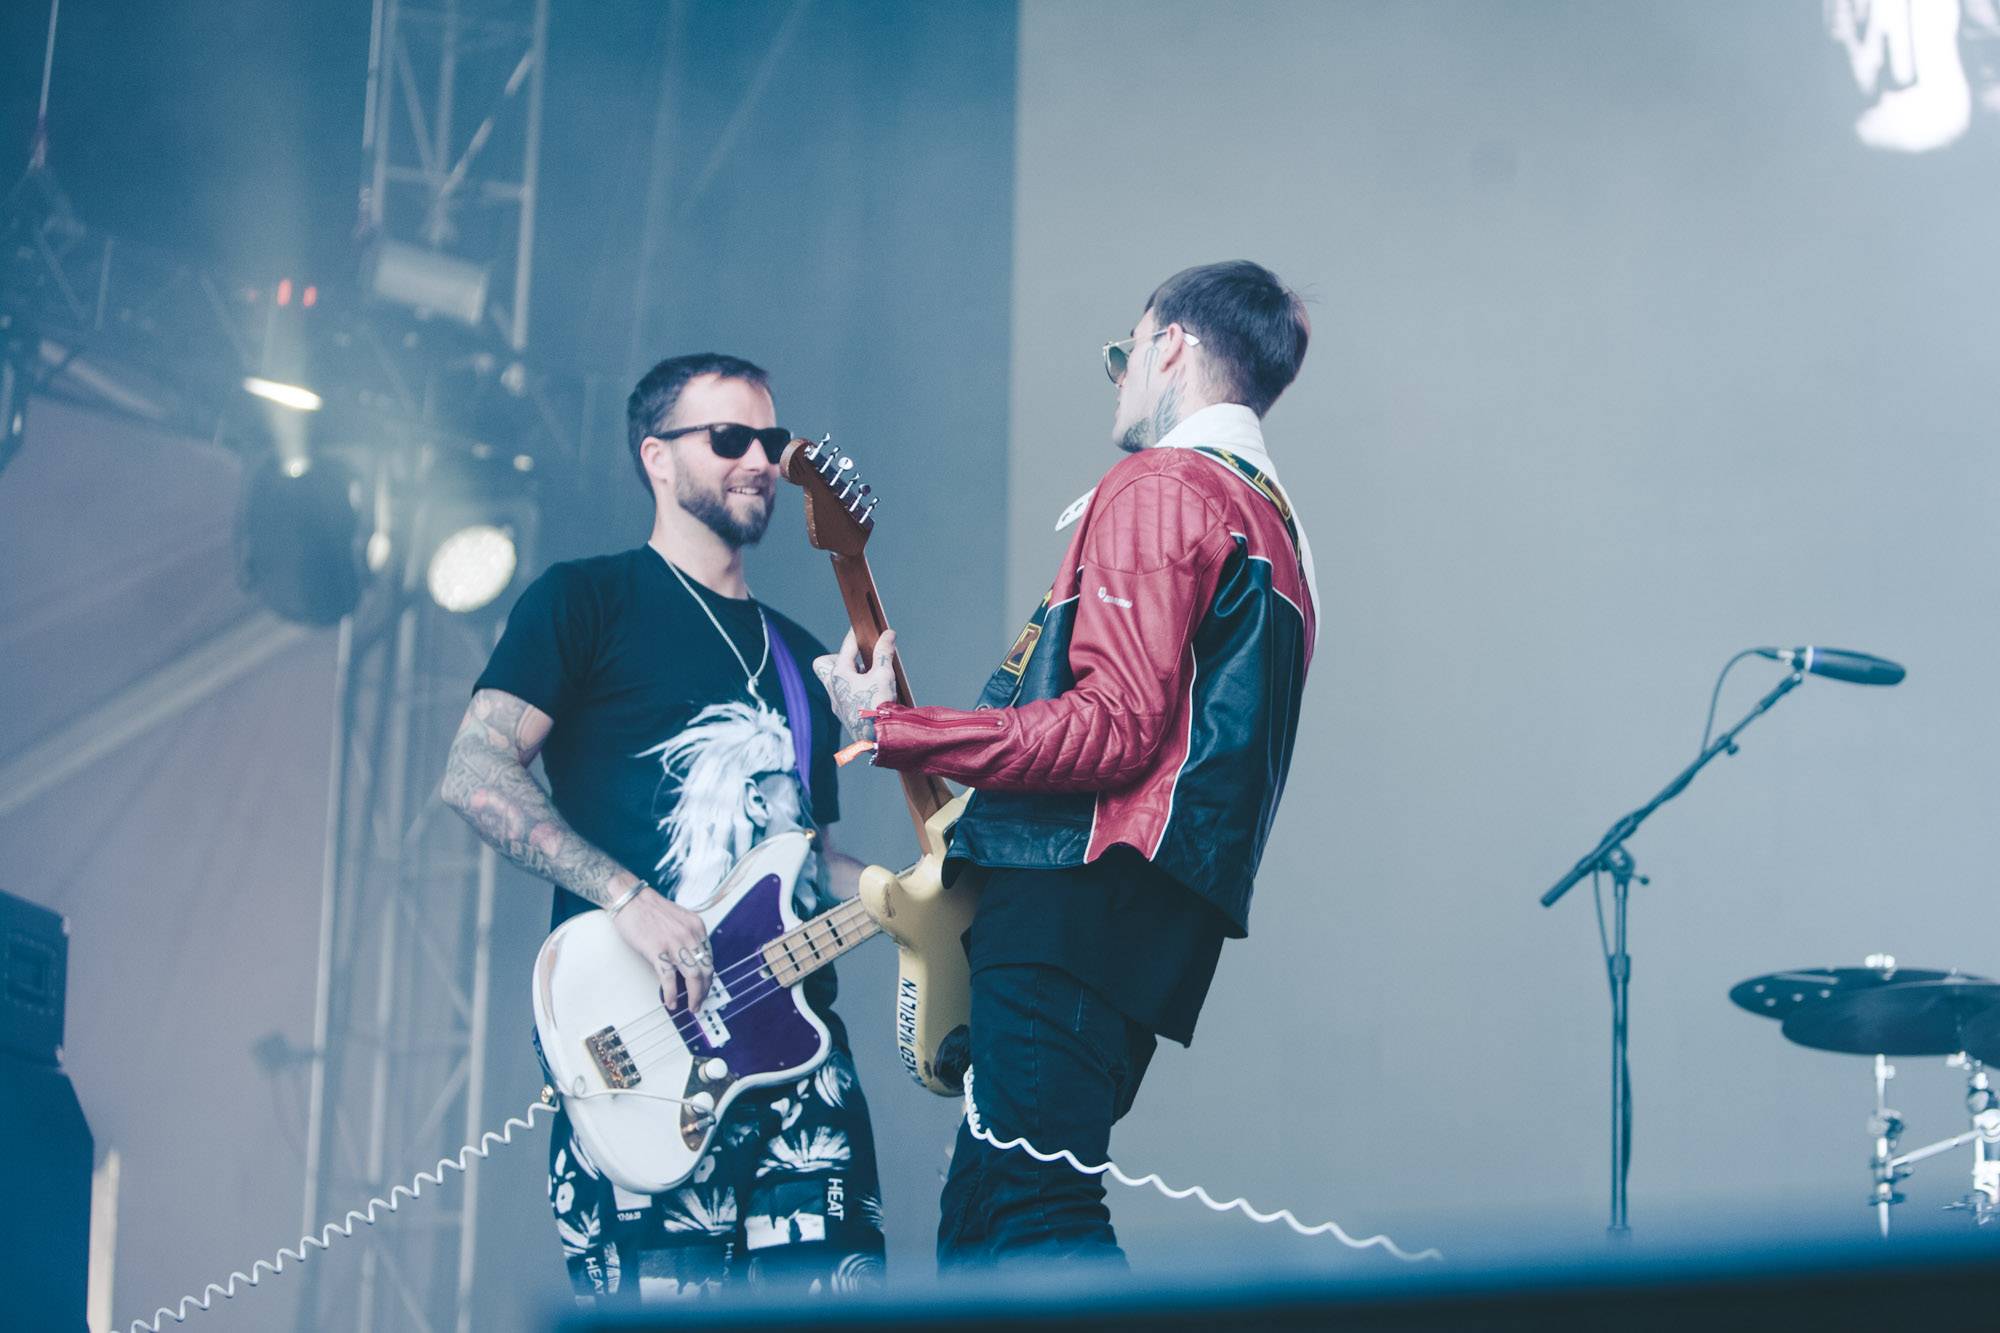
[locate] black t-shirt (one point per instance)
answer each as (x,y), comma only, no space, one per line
(1137,936)
(659,755)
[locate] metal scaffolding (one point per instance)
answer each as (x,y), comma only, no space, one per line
(472,194)
(401,1008)
(400,1021)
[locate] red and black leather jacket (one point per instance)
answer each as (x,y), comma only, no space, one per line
(1152,701)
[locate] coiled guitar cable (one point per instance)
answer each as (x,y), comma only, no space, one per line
(1238,1204)
(345,1227)
(482,1149)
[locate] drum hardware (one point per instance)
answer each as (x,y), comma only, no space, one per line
(1883,1011)
(1983,1105)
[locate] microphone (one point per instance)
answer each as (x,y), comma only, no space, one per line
(1838,664)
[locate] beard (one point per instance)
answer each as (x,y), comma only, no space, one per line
(712,508)
(1153,425)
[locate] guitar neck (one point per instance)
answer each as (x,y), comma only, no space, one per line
(797,954)
(924,794)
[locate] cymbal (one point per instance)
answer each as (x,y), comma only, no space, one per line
(1982,1037)
(1779,994)
(1928,1017)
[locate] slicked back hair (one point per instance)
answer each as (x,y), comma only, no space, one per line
(1252,327)
(653,398)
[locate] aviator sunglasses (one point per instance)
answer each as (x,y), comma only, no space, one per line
(731,439)
(1117,355)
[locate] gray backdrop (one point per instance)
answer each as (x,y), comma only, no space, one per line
(1626,355)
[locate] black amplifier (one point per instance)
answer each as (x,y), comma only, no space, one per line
(34,968)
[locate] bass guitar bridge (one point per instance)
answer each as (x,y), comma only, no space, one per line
(607,1048)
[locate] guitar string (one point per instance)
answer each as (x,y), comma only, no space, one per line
(750,963)
(750,999)
(773,991)
(638,1038)
(841,909)
(657,1040)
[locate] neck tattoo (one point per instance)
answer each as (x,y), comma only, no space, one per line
(1166,412)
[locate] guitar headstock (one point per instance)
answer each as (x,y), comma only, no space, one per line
(840,509)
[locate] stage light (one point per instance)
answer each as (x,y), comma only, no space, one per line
(299,539)
(471,567)
(294,396)
(427,281)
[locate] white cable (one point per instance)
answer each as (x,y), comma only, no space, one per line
(484,1148)
(1239,1204)
(345,1226)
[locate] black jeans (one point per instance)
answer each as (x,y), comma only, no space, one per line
(1055,1064)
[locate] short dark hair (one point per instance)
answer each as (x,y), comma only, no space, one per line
(1252,327)
(653,398)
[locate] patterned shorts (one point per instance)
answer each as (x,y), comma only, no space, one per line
(786,1198)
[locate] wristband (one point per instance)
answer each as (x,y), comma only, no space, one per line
(849,753)
(616,907)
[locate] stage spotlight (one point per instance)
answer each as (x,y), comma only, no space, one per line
(427,281)
(300,535)
(294,396)
(472,566)
(473,530)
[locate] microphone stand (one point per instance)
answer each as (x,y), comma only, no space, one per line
(1611,857)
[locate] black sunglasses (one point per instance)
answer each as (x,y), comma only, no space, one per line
(732,440)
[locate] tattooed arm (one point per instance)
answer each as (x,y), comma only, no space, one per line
(486,779)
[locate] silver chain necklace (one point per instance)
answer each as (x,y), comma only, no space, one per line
(749,676)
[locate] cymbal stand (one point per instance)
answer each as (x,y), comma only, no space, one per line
(1887,1127)
(1984,1106)
(1890,1167)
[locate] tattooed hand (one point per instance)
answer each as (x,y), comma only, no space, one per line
(673,940)
(855,689)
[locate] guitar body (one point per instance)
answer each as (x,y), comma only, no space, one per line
(644,1086)
(933,979)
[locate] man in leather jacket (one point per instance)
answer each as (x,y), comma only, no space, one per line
(1129,754)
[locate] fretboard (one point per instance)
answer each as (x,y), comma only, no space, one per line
(799,953)
(924,794)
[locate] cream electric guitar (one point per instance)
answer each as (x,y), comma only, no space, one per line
(914,908)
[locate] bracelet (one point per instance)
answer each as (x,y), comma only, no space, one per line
(616,907)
